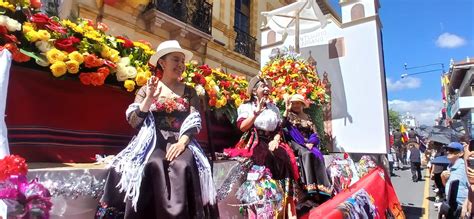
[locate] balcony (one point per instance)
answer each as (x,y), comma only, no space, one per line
(197,13)
(244,43)
(460,105)
(190,19)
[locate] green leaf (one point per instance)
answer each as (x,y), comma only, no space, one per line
(34,55)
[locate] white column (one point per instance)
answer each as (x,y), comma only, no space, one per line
(5,63)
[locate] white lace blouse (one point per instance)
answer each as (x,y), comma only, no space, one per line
(268,120)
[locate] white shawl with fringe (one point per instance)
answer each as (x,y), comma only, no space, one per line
(130,162)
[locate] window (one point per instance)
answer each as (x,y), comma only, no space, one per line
(242,15)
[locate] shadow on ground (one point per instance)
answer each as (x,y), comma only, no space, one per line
(413,212)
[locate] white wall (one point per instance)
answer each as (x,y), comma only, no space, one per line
(360,123)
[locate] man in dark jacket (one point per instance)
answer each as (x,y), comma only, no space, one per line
(397,145)
(414,156)
(412,136)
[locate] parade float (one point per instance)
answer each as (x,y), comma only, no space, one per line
(66,84)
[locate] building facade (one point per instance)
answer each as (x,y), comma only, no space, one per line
(223,34)
(460,96)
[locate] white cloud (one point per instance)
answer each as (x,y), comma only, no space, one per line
(449,40)
(425,111)
(404,83)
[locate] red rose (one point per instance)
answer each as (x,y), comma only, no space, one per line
(127,44)
(85,78)
(206,71)
(67,44)
(40,19)
(56,27)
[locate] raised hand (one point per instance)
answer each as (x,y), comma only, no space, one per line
(152,87)
(261,105)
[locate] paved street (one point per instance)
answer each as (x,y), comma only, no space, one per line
(417,198)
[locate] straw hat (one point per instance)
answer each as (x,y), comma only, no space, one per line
(254,81)
(299,98)
(169,47)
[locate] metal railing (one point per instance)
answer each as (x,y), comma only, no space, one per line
(197,13)
(244,43)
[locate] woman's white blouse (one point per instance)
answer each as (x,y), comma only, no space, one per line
(268,120)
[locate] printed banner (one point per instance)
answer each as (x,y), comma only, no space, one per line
(373,196)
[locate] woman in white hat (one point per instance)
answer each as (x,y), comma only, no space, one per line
(163,172)
(302,136)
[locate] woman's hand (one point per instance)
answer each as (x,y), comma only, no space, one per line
(175,150)
(260,106)
(272,145)
(287,104)
(152,87)
(309,145)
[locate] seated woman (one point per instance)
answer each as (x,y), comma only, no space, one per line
(261,119)
(302,136)
(163,172)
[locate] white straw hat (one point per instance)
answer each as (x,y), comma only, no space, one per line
(169,46)
(299,98)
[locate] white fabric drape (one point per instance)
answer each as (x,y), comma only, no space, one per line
(280,21)
(5,63)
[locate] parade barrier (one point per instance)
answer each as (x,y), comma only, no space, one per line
(373,196)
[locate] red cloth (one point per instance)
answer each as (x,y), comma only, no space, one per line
(54,120)
(377,184)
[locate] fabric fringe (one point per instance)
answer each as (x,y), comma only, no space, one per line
(204,167)
(131,161)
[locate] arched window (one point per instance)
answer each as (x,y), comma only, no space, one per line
(357,12)
(271,37)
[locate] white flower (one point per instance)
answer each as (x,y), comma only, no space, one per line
(13,25)
(42,62)
(43,46)
(124,60)
(3,20)
(121,72)
(200,90)
(131,72)
(217,88)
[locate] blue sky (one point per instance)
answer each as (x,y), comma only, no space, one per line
(422,32)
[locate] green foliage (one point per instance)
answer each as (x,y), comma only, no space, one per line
(394,119)
(317,115)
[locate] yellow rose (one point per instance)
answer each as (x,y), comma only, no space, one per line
(32,36)
(72,66)
(238,102)
(55,55)
(141,78)
(58,68)
(76,56)
(44,35)
(129,85)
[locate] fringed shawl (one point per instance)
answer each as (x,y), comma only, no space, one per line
(130,162)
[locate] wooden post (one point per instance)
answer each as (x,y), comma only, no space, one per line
(297,32)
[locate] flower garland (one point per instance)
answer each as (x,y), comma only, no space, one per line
(23,199)
(225,92)
(79,48)
(291,74)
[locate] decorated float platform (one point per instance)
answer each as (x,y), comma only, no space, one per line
(65,87)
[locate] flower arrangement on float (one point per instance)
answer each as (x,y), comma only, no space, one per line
(290,75)
(23,199)
(80,48)
(225,91)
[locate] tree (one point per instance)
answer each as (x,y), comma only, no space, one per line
(393,119)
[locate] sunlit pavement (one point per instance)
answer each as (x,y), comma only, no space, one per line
(416,198)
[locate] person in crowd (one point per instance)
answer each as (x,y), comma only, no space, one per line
(468,208)
(436,170)
(456,171)
(414,157)
(392,157)
(301,134)
(163,172)
(412,136)
(398,146)
(261,118)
